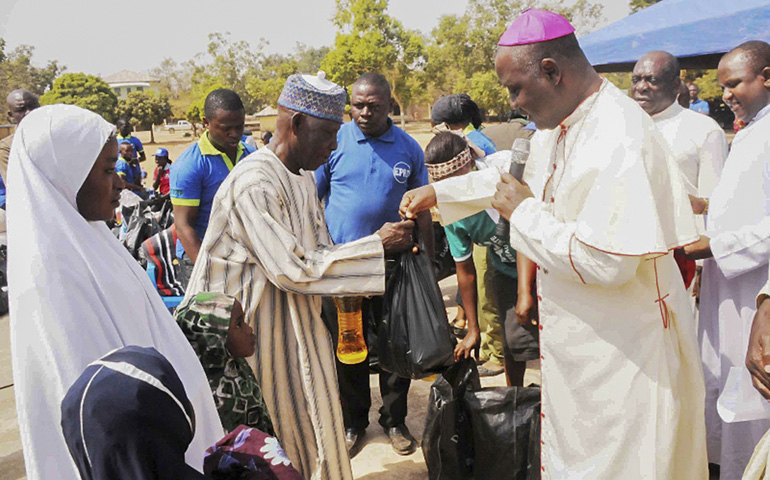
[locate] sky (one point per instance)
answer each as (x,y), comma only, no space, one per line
(101,38)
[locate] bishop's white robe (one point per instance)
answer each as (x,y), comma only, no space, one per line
(622,386)
(268,246)
(739,228)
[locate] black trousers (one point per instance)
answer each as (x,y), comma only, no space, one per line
(354,379)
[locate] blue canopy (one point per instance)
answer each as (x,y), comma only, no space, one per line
(698,32)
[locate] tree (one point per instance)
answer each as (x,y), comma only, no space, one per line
(146,109)
(637,5)
(17,71)
(370,40)
(86,91)
(266,84)
(461,50)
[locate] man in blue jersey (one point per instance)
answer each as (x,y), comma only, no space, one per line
(124,135)
(361,186)
(199,171)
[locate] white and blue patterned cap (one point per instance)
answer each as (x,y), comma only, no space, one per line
(314,95)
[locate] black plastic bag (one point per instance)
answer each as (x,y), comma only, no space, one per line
(506,432)
(447,442)
(414,339)
(444,262)
(481,433)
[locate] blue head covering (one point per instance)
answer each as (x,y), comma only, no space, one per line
(128,417)
(314,95)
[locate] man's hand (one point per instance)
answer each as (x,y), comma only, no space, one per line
(700,249)
(526,310)
(758,354)
(396,237)
(699,205)
(510,193)
(467,345)
(416,201)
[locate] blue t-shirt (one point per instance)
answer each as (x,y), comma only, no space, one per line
(130,173)
(362,183)
(2,192)
(195,178)
(480,229)
(482,141)
(138,147)
(700,106)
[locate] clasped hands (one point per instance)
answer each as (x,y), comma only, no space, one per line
(509,195)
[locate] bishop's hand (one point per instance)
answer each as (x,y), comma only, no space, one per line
(510,193)
(416,201)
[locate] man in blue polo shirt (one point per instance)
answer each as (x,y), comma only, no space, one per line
(361,185)
(199,171)
(696,104)
(124,135)
(127,167)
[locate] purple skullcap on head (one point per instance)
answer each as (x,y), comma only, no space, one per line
(535,26)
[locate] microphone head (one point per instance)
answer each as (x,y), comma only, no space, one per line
(520,150)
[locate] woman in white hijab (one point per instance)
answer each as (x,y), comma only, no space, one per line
(75,292)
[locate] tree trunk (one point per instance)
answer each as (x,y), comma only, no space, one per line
(152,133)
(403,113)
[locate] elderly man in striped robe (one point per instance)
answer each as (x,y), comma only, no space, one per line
(267,245)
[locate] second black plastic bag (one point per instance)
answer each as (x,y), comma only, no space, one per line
(414,339)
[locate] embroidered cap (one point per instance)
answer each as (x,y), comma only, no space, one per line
(535,26)
(314,95)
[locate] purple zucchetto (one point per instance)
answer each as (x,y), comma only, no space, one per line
(535,26)
(314,95)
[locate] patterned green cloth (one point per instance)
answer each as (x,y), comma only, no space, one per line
(205,320)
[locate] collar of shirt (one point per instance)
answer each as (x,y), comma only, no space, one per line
(208,148)
(762,113)
(121,137)
(582,110)
(670,112)
(388,136)
(469,128)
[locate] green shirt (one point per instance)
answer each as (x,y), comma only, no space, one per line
(480,229)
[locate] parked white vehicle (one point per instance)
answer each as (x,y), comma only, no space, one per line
(180,126)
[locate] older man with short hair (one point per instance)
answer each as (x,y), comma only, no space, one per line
(20,103)
(268,246)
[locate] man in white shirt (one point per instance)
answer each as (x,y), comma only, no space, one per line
(698,143)
(738,238)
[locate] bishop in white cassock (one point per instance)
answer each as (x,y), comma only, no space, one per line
(622,386)
(738,237)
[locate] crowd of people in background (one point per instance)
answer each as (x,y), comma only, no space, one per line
(632,268)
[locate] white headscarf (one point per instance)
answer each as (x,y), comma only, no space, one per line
(75,292)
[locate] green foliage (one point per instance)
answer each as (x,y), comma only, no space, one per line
(17,71)
(199,93)
(86,91)
(461,50)
(370,40)
(145,109)
(621,80)
(637,5)
(707,82)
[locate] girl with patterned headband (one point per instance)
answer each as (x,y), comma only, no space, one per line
(448,155)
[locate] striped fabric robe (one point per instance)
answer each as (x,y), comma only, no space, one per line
(267,244)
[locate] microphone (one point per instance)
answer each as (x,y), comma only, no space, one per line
(519,156)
